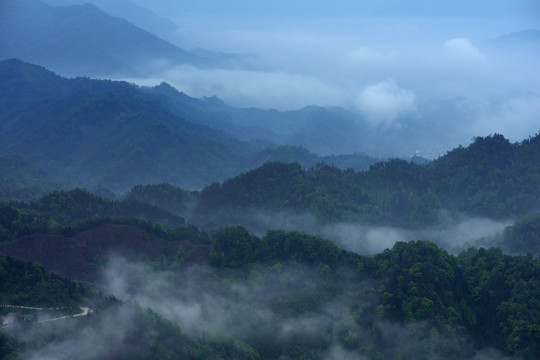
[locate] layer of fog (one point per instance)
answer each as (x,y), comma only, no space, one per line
(453,237)
(202,303)
(453,233)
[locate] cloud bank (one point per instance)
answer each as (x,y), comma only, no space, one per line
(384,102)
(461,48)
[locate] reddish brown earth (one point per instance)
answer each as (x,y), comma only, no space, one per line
(83,256)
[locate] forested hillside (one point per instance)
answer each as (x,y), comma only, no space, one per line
(522,237)
(91,133)
(491,177)
(115,135)
(414,300)
(61,212)
(20,180)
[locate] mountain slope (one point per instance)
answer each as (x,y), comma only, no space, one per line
(81,40)
(22,181)
(90,133)
(81,257)
(436,127)
(128,10)
(438,304)
(321,130)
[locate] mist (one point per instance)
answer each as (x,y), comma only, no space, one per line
(454,236)
(207,302)
(454,232)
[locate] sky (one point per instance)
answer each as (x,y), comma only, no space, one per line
(386,60)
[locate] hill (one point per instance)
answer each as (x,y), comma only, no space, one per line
(492,177)
(66,213)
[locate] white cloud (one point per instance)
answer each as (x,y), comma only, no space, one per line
(384,102)
(461,48)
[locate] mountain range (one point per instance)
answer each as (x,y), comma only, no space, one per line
(101,133)
(82,40)
(68,127)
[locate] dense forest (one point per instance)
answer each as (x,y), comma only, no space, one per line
(437,303)
(491,177)
(163,288)
(414,300)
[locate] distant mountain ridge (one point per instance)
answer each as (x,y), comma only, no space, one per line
(91,132)
(83,40)
(524,39)
(128,10)
(437,128)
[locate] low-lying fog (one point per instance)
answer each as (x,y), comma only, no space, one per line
(203,304)
(454,233)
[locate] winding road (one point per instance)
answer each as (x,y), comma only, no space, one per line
(85,311)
